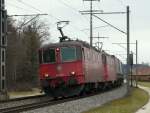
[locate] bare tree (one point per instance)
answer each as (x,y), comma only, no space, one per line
(22,51)
(12,53)
(32,37)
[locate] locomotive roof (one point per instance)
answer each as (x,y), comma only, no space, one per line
(68,43)
(74,43)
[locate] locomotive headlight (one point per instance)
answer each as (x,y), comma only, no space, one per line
(46,75)
(59,68)
(72,73)
(57,49)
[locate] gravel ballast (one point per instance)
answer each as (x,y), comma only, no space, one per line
(78,106)
(22,102)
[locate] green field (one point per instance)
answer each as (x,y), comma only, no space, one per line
(146,84)
(129,104)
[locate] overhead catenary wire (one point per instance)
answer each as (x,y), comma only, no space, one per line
(95,27)
(61,1)
(98,4)
(121,2)
(28,5)
(28,15)
(79,30)
(42,11)
(72,8)
(39,11)
(27,10)
(75,11)
(120,45)
(32,7)
(110,24)
(13,5)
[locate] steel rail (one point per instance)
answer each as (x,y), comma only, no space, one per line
(48,102)
(22,98)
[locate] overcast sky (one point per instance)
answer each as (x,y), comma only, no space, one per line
(79,24)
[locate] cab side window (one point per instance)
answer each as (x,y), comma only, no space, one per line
(104,59)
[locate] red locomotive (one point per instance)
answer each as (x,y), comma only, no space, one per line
(72,67)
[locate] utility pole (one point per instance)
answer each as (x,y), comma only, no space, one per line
(3,44)
(91,24)
(128,49)
(131,68)
(136,81)
(91,19)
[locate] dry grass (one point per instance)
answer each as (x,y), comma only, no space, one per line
(146,84)
(19,94)
(129,104)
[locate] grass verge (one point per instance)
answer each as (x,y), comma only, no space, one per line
(19,94)
(145,84)
(128,104)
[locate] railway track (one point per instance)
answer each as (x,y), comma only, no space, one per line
(26,107)
(22,98)
(48,102)
(12,103)
(43,101)
(21,108)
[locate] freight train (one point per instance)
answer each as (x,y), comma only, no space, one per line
(73,67)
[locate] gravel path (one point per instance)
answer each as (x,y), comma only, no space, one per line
(146,108)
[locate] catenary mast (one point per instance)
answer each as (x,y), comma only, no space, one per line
(3,44)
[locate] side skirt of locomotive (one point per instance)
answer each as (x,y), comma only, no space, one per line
(101,86)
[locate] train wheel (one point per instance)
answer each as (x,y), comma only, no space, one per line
(101,86)
(46,90)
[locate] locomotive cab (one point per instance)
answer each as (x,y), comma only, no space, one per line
(61,67)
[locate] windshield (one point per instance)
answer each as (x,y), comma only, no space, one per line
(70,53)
(49,56)
(67,54)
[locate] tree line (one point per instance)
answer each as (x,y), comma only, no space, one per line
(24,40)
